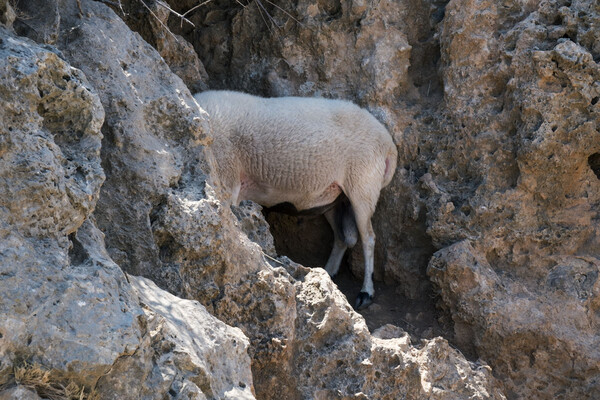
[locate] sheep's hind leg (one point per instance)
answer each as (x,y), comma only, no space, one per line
(367,236)
(339,245)
(365,297)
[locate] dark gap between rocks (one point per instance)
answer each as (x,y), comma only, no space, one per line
(594,163)
(308,241)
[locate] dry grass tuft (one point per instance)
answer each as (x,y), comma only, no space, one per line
(33,376)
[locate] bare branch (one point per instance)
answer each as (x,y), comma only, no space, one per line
(183,18)
(266,12)
(263,18)
(195,7)
(159,21)
(80,9)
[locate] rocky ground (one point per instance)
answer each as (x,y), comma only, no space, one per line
(124,276)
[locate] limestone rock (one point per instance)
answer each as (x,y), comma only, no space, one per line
(495,109)
(512,190)
(51,175)
(53,134)
(19,393)
(65,305)
(7,13)
(37,20)
(190,351)
(150,21)
(536,341)
(153,132)
(253,224)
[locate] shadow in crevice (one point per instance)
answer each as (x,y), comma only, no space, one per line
(308,241)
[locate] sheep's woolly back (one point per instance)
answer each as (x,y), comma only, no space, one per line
(297,145)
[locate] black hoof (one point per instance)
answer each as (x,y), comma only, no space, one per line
(363,300)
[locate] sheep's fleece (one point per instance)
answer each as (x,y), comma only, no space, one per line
(306,152)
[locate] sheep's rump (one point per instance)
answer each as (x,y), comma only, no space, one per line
(298,150)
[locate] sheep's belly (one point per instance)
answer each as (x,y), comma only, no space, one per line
(269,196)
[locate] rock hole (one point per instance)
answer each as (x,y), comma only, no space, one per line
(156,211)
(572,36)
(594,163)
(165,252)
(558,20)
(80,175)
(77,253)
(595,100)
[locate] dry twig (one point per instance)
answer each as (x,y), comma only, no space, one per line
(182,16)
(80,9)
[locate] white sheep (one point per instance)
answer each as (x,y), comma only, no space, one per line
(311,153)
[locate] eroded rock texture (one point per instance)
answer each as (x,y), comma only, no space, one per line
(163,220)
(65,306)
(524,219)
(494,108)
(493,208)
(362,51)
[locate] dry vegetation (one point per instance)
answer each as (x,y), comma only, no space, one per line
(34,377)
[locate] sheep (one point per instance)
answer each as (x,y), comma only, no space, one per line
(306,155)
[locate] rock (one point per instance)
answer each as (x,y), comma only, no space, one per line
(517,165)
(52,134)
(253,224)
(389,331)
(528,339)
(51,176)
(186,348)
(67,308)
(19,393)
(152,133)
(150,21)
(332,337)
(37,20)
(495,110)
(7,13)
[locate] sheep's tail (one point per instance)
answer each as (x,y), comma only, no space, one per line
(390,166)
